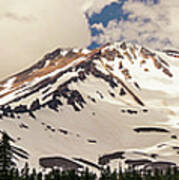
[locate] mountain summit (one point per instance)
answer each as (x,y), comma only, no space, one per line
(91,103)
(124,68)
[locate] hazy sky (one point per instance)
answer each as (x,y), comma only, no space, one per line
(31,28)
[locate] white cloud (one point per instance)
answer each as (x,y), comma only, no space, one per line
(31,28)
(97,26)
(153,25)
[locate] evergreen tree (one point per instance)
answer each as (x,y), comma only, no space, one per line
(39,176)
(87,175)
(25,172)
(9,153)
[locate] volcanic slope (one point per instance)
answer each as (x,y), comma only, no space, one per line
(121,97)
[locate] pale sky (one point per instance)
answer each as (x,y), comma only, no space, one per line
(31,28)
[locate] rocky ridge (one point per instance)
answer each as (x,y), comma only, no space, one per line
(47,83)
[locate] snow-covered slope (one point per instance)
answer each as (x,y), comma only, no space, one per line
(120,97)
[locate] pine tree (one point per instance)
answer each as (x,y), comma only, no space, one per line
(9,153)
(25,172)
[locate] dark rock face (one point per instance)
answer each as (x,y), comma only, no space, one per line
(76,98)
(138,162)
(92,141)
(168,51)
(111,54)
(122,92)
(20,109)
(88,163)
(22,125)
(151,129)
(72,97)
(174,137)
(53,54)
(6,110)
(132,111)
(175,147)
(145,110)
(71,54)
(106,78)
(100,94)
(159,165)
(53,104)
(49,127)
(129,111)
(35,105)
(81,75)
(137,85)
(105,159)
(92,99)
(146,52)
(123,46)
(39,65)
(65,164)
(32,115)
(112,94)
(65,132)
(154,155)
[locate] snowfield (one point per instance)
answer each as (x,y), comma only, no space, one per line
(120,98)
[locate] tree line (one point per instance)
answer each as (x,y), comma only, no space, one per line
(9,171)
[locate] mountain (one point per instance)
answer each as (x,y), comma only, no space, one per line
(116,103)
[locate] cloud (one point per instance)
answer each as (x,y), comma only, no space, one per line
(31,28)
(150,23)
(16,17)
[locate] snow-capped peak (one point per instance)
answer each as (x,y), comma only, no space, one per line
(126,65)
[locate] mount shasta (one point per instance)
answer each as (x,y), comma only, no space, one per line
(114,104)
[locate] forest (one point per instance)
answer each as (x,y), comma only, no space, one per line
(9,170)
